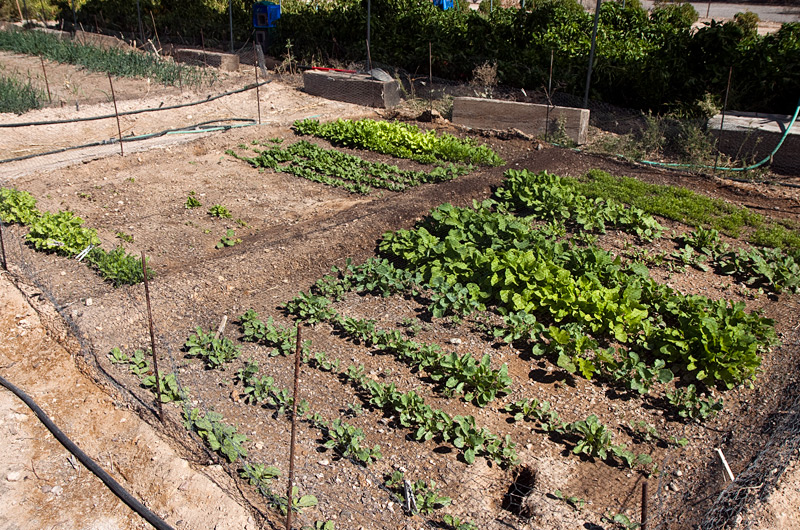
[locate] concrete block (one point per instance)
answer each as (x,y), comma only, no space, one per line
(752,136)
(224,61)
(360,89)
(530,118)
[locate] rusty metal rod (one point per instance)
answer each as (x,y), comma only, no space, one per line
(297,355)
(644,505)
(3,248)
(152,338)
(46,84)
(258,96)
(119,129)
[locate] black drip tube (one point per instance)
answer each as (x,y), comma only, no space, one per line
(107,479)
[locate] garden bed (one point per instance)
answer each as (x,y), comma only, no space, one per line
(292,232)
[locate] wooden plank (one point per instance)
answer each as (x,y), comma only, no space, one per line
(530,118)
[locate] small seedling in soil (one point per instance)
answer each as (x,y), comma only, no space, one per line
(219,211)
(229,240)
(457,524)
(192,201)
(215,351)
(298,503)
(575,502)
(170,390)
(125,237)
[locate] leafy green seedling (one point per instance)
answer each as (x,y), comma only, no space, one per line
(192,201)
(229,240)
(219,211)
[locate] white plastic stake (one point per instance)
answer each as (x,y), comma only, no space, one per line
(725,464)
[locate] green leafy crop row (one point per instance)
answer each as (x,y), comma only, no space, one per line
(690,208)
(503,262)
(334,168)
(19,97)
(411,411)
(112,60)
(63,233)
(547,196)
(400,140)
(459,374)
(589,437)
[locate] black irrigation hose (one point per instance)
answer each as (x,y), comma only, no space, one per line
(112,484)
(199,127)
(139,111)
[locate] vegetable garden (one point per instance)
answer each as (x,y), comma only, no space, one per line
(525,325)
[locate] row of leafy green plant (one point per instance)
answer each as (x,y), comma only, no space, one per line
(644,60)
(221,437)
(18,96)
(589,437)
(401,140)
(118,62)
(568,346)
(63,233)
(690,208)
(410,407)
(457,374)
(502,261)
(334,168)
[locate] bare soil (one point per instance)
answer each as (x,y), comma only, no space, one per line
(293,231)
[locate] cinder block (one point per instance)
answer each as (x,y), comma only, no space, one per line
(360,89)
(530,118)
(223,61)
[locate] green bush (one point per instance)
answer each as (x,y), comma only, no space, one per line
(748,21)
(679,15)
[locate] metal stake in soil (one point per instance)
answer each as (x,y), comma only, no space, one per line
(258,97)
(138,16)
(3,248)
(152,339)
(722,119)
(644,505)
(46,84)
(119,129)
(430,77)
(591,54)
(297,354)
(549,100)
(369,30)
(230,20)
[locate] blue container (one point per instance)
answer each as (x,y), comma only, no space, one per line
(265,14)
(444,4)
